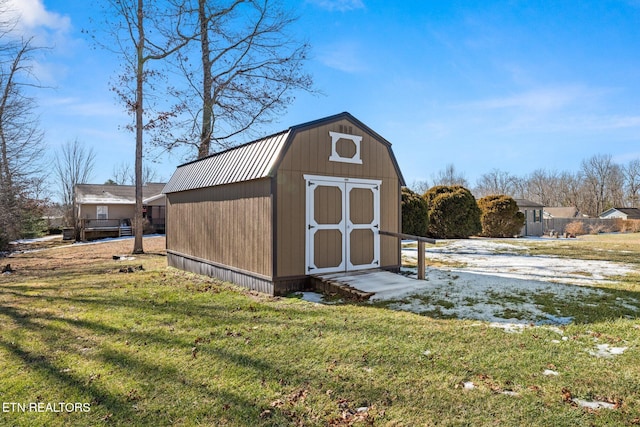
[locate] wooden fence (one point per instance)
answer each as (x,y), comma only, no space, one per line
(589,225)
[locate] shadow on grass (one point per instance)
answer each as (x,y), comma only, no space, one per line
(150,323)
(116,368)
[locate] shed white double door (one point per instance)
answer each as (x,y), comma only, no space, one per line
(342,224)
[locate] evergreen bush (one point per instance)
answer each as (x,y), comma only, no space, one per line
(453,212)
(415,219)
(500,216)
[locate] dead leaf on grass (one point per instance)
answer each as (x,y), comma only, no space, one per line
(298,395)
(266,414)
(93,377)
(133,395)
(278,403)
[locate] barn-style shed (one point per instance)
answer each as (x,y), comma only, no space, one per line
(269,214)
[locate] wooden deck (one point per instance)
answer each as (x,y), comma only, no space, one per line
(91,229)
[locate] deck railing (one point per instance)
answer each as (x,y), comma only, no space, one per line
(99,223)
(421,241)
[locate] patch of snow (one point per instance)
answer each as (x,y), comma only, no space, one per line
(511,328)
(595,404)
(483,256)
(312,297)
(35,240)
(115,239)
(500,282)
(606,351)
(477,296)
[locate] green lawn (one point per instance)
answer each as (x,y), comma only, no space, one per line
(163,347)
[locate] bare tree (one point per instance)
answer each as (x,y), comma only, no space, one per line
(21,140)
(73,165)
(123,174)
(450,176)
(542,187)
(496,182)
(631,173)
(601,177)
(145,33)
(420,186)
(248,68)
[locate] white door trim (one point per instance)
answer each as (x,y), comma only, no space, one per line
(374,225)
(345,226)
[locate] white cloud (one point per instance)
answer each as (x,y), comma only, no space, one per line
(33,15)
(343,56)
(572,108)
(540,99)
(338,5)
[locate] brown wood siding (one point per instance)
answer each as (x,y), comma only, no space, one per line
(309,154)
(228,225)
(114,211)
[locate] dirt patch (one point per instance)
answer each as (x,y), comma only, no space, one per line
(40,262)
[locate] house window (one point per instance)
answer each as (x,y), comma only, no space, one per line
(102,212)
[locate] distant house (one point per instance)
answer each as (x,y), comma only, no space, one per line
(533,213)
(622,213)
(107,210)
(562,212)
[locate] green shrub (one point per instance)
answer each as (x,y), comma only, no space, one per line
(453,212)
(500,216)
(415,219)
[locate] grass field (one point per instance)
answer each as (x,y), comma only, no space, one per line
(157,346)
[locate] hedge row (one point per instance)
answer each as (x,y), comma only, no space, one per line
(445,212)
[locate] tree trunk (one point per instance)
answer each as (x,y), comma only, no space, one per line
(137,243)
(207,97)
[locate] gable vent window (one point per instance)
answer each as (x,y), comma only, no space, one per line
(349,153)
(345,129)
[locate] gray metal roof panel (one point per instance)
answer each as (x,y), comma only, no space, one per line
(244,163)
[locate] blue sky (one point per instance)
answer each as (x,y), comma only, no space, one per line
(509,85)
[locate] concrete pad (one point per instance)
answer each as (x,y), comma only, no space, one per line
(383,284)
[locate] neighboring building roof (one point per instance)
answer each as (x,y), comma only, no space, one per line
(631,213)
(254,160)
(90,194)
(524,203)
(562,212)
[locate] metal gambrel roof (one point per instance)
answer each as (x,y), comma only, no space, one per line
(250,161)
(254,160)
